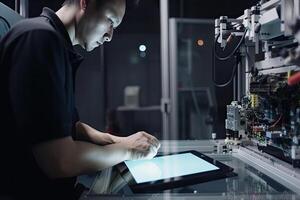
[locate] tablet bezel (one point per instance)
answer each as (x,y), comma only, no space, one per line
(170,183)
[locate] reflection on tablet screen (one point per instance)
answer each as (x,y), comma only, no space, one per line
(164,167)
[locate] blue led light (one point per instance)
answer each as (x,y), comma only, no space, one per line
(142,48)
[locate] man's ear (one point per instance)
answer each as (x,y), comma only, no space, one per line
(82,8)
(83,4)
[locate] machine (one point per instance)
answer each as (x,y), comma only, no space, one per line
(266,110)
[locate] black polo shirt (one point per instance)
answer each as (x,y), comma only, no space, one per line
(38,65)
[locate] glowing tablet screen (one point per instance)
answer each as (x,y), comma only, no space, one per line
(170,166)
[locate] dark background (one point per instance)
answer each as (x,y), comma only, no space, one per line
(109,69)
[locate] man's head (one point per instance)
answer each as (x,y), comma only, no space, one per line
(96,20)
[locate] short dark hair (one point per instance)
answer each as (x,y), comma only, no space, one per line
(72,2)
(99,3)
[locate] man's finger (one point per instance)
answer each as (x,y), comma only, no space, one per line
(151,154)
(152,142)
(153,139)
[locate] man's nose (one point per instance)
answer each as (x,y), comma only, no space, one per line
(108,36)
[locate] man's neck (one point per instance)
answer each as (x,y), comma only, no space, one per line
(67,14)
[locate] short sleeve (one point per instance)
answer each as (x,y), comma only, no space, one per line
(38,87)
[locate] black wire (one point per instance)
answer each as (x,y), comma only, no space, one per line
(221,85)
(252,70)
(233,52)
(224,59)
(6,22)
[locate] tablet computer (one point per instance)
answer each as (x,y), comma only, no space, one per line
(172,171)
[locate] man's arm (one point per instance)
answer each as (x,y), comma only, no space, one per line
(85,132)
(67,158)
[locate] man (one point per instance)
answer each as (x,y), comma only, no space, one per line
(44,146)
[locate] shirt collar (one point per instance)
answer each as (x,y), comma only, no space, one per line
(60,27)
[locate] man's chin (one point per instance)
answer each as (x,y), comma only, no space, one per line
(87,47)
(90,48)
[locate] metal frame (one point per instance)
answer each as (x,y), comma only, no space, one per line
(24,8)
(165,104)
(243,74)
(173,71)
(248,62)
(270,4)
(16,5)
(276,169)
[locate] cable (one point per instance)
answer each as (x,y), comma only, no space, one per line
(233,52)
(221,85)
(252,63)
(226,58)
(276,122)
(294,79)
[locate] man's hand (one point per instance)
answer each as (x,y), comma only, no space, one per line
(141,146)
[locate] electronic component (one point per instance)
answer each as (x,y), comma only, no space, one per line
(267,104)
(234,121)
